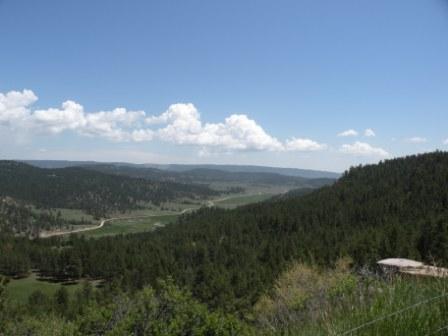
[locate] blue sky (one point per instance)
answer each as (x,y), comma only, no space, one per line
(248,82)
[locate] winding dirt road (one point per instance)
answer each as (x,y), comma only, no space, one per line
(48,234)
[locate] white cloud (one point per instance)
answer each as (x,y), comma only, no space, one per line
(304,145)
(364,149)
(348,133)
(15,111)
(141,135)
(180,124)
(416,140)
(14,106)
(445,142)
(237,132)
(369,132)
(71,116)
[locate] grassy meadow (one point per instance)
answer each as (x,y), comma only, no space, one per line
(134,225)
(19,290)
(240,200)
(154,217)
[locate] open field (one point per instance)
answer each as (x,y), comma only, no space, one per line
(134,225)
(71,214)
(252,188)
(164,209)
(19,290)
(153,218)
(240,200)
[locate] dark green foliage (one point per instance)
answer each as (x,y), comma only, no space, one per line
(61,299)
(3,302)
(14,256)
(227,258)
(38,299)
(209,175)
(18,218)
(179,168)
(94,192)
(167,310)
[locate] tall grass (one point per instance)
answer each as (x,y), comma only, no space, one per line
(315,302)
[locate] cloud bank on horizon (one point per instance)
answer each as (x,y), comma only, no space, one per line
(180,124)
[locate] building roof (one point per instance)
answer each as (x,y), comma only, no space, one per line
(428,271)
(400,262)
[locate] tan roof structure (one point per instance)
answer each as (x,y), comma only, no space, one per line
(412,267)
(400,262)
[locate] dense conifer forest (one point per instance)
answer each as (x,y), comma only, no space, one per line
(94,192)
(229,258)
(21,219)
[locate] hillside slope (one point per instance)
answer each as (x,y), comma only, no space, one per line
(305,173)
(208,176)
(229,257)
(396,208)
(179,168)
(95,192)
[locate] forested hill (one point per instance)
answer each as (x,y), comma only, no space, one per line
(207,176)
(179,168)
(95,192)
(22,219)
(398,208)
(305,173)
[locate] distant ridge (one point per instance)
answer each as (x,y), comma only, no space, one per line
(96,192)
(306,173)
(50,164)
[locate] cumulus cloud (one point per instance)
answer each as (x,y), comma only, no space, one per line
(348,133)
(71,116)
(15,106)
(179,124)
(306,145)
(416,140)
(16,112)
(369,132)
(141,135)
(363,149)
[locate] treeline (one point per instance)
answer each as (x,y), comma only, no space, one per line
(208,175)
(21,219)
(163,310)
(306,300)
(94,192)
(227,258)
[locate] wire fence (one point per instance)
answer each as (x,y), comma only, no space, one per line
(398,312)
(438,330)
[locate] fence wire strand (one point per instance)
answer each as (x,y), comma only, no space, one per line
(438,330)
(398,312)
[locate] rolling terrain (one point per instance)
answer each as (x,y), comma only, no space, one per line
(93,192)
(305,173)
(268,265)
(219,177)
(70,196)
